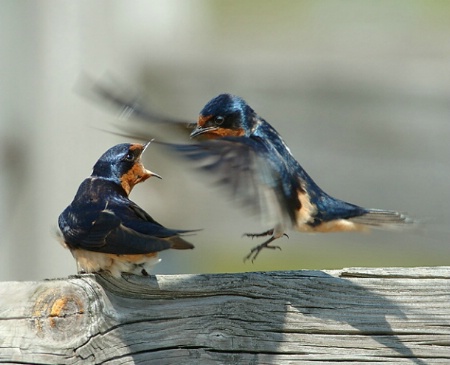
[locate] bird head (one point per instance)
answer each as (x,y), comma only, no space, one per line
(225,115)
(122,164)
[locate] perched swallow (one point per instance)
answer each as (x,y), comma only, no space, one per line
(104,229)
(249,155)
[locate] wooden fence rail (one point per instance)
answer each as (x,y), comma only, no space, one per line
(359,315)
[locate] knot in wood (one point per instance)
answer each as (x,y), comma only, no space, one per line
(58,312)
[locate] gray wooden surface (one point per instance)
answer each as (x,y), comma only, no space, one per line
(358,315)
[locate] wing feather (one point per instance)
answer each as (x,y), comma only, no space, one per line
(246,168)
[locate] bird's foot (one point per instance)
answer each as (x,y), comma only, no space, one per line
(254,252)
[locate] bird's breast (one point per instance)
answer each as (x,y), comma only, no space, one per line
(89,261)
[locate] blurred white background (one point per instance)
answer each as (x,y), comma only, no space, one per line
(359,90)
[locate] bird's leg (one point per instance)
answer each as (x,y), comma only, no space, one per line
(263,234)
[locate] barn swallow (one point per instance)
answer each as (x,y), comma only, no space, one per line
(250,156)
(104,229)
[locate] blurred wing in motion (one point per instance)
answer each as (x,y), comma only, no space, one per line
(128,106)
(244,168)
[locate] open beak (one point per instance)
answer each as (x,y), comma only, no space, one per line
(149,173)
(146,145)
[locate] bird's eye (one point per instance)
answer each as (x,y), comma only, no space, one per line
(129,157)
(219,120)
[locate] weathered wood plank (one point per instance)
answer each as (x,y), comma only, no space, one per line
(387,316)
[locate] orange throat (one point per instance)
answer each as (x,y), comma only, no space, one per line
(138,173)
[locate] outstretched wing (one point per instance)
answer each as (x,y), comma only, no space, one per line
(245,167)
(129,106)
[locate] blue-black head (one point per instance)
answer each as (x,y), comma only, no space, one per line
(225,115)
(122,165)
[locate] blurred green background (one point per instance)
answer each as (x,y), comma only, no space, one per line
(360,91)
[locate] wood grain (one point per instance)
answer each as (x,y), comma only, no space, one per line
(358,315)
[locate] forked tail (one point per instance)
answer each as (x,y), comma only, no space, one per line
(385,219)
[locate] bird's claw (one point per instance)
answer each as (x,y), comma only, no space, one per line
(254,252)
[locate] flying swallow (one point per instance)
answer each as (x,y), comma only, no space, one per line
(104,229)
(250,156)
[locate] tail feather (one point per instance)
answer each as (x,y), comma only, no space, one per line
(383,219)
(177,243)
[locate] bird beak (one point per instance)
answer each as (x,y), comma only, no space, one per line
(200,130)
(148,172)
(196,132)
(146,145)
